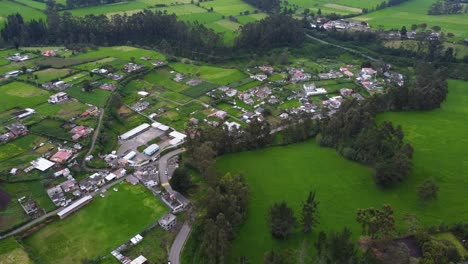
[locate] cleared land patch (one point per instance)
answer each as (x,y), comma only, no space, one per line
(19,94)
(97,228)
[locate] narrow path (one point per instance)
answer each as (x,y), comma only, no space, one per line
(93,141)
(341,47)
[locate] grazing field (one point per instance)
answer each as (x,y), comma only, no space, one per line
(335,6)
(97,97)
(228,7)
(11,252)
(19,94)
(10,7)
(199,90)
(162,77)
(65,110)
(50,127)
(97,228)
(122,52)
(216,75)
(415,12)
(52,74)
(343,186)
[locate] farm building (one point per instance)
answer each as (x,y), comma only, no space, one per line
(151,149)
(24,113)
(75,206)
(42,164)
(129,155)
(167,221)
(57,98)
(135,131)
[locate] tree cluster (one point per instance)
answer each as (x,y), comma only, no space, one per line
(353,132)
(226,209)
(270,32)
(446,7)
(437,251)
(377,223)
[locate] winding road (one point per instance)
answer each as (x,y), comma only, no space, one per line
(93,141)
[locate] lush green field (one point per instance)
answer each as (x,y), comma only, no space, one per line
(162,77)
(11,252)
(98,228)
(19,94)
(97,97)
(199,90)
(415,12)
(65,110)
(122,52)
(343,186)
(216,75)
(51,74)
(9,8)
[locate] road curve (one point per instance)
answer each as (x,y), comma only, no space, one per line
(179,242)
(163,178)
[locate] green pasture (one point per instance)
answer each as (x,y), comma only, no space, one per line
(10,8)
(122,52)
(97,97)
(199,90)
(11,252)
(98,228)
(415,12)
(21,95)
(52,74)
(162,77)
(65,110)
(343,186)
(221,76)
(50,127)
(228,7)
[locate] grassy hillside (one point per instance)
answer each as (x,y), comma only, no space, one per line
(415,12)
(288,173)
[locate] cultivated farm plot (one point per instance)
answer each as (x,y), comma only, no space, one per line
(98,228)
(21,95)
(415,12)
(343,186)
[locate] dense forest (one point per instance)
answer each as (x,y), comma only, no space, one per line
(82,3)
(446,7)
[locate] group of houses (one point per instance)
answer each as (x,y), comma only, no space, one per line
(15,130)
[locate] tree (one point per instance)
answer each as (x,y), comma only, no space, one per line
(336,248)
(436,28)
(87,87)
(309,213)
(281,220)
(319,12)
(377,223)
(427,191)
(181,180)
(403,31)
(203,157)
(414,27)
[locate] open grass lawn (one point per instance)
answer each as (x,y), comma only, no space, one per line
(287,173)
(64,110)
(162,77)
(10,7)
(51,74)
(97,97)
(97,228)
(14,214)
(122,52)
(221,76)
(19,94)
(415,12)
(11,252)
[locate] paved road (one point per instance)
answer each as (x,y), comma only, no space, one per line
(93,142)
(53,213)
(163,178)
(341,47)
(179,242)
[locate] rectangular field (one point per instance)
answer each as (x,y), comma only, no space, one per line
(98,228)
(21,95)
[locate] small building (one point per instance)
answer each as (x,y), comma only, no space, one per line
(42,164)
(143,93)
(132,179)
(17,129)
(311,89)
(129,155)
(24,113)
(57,98)
(136,239)
(62,155)
(139,260)
(232,125)
(149,151)
(167,221)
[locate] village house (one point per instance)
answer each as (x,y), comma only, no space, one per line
(80,132)
(284,116)
(298,75)
(219,114)
(49,53)
(93,111)
(158,63)
(179,77)
(147,58)
(24,113)
(57,98)
(15,73)
(62,155)
(330,75)
(114,76)
(267,69)
(17,57)
(63,172)
(29,206)
(69,185)
(100,71)
(167,221)
(17,129)
(259,77)
(42,164)
(262,92)
(232,125)
(231,92)
(131,67)
(346,92)
(57,196)
(132,180)
(107,86)
(347,72)
(310,89)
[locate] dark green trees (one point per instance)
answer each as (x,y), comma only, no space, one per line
(281,220)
